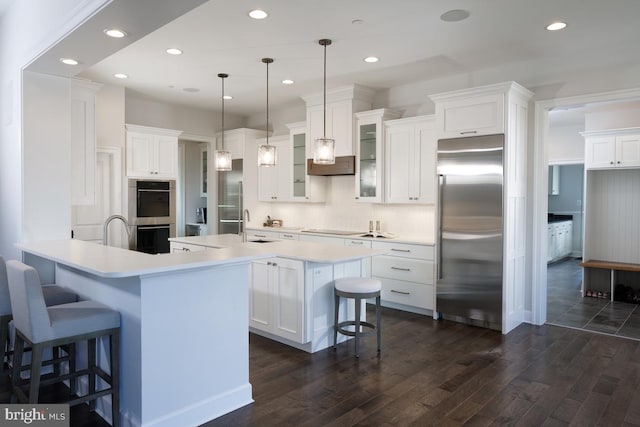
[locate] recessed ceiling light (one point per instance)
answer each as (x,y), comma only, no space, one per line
(69,61)
(287,82)
(357,21)
(115,33)
(455,15)
(120,76)
(191,89)
(371,59)
(227,97)
(555,26)
(258,14)
(174,51)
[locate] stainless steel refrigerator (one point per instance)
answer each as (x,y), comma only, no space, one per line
(470,257)
(230,199)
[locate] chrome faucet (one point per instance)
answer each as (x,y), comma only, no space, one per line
(246,217)
(106,228)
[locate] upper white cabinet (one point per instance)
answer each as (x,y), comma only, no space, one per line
(275,182)
(472,112)
(342,103)
(83,142)
(410,174)
(370,154)
(304,188)
(152,152)
(618,148)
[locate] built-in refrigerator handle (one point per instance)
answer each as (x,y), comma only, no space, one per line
(441,182)
(240,217)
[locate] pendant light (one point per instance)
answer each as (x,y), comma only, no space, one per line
(324,150)
(223,157)
(266,152)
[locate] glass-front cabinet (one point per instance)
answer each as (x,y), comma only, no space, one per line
(305,188)
(370,154)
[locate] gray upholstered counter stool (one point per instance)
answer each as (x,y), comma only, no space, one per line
(53,295)
(63,325)
(358,288)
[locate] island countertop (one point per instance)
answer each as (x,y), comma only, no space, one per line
(114,262)
(292,249)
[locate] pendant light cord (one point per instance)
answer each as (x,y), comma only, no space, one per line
(222,113)
(267,62)
(324,100)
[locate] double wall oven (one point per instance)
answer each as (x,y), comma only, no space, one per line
(152,213)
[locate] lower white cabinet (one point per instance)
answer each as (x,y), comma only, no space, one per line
(276,297)
(186,247)
(559,240)
(407,275)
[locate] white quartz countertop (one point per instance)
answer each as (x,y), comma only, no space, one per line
(113,262)
(419,240)
(292,249)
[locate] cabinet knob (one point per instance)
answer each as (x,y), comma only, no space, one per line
(618,161)
(610,163)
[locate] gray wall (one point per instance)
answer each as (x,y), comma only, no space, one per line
(569,201)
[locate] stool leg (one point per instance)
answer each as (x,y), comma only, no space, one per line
(71,350)
(4,339)
(18,351)
(114,358)
(36,366)
(335,320)
(91,363)
(358,307)
(378,320)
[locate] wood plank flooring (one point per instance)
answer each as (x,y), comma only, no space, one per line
(439,373)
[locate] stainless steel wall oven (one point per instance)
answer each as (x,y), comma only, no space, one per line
(152,213)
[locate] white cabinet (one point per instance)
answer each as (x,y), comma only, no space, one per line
(342,103)
(554,180)
(370,159)
(274,182)
(304,187)
(262,235)
(471,115)
(559,240)
(177,247)
(83,142)
(410,173)
(407,275)
(612,149)
(276,297)
(152,152)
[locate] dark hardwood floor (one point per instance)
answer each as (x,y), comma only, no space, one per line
(440,373)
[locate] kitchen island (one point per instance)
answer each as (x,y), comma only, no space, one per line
(291,293)
(185,315)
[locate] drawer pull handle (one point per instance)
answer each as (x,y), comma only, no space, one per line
(400,292)
(289,236)
(356,243)
(467,132)
(260,235)
(400,268)
(401,250)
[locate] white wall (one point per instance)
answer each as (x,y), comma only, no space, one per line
(612,116)
(566,145)
(190,120)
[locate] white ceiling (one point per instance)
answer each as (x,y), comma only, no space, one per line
(413,44)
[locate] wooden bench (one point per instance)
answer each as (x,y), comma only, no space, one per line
(613,267)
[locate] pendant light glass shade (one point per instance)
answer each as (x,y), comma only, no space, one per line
(222,157)
(324,149)
(266,152)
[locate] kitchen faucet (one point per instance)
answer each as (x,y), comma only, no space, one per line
(246,217)
(106,228)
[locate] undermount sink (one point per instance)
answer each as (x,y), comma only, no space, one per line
(261,241)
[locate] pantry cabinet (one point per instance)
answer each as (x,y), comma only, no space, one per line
(612,149)
(83,142)
(410,154)
(276,297)
(370,159)
(152,152)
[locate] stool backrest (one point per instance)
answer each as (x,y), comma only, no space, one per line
(30,314)
(5,302)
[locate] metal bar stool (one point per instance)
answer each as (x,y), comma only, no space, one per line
(53,295)
(358,288)
(63,325)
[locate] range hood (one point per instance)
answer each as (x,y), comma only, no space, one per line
(344,165)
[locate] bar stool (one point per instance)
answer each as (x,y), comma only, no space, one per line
(62,325)
(53,295)
(358,288)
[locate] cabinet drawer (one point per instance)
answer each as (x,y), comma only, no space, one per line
(407,293)
(405,250)
(289,236)
(411,270)
(256,235)
(186,247)
(357,243)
